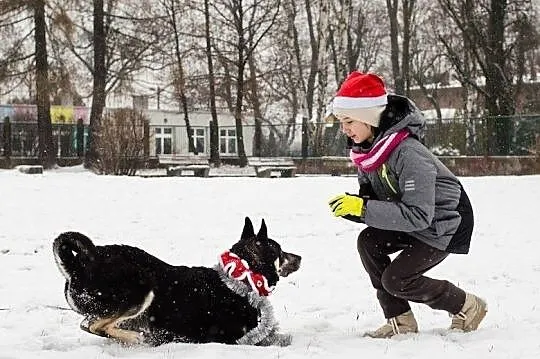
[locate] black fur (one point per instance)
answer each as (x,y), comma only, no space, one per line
(127,294)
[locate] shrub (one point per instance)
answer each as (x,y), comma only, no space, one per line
(120,142)
(445,150)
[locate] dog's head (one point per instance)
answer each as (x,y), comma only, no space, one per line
(264,255)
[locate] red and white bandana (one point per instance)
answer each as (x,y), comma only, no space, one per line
(378,155)
(238,269)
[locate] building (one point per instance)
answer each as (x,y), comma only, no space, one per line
(168,130)
(168,133)
(450,99)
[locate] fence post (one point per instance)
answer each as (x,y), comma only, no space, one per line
(305,137)
(7,137)
(538,153)
(80,138)
(146,139)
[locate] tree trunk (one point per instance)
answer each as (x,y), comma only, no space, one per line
(189,129)
(310,85)
(314,64)
(47,153)
(499,101)
(241,46)
(181,82)
(300,90)
(257,140)
(242,157)
(100,78)
(214,135)
(408,12)
(392,7)
(322,77)
(339,41)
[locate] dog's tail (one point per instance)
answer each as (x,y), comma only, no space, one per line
(73,251)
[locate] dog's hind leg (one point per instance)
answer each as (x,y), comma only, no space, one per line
(97,326)
(108,327)
(123,335)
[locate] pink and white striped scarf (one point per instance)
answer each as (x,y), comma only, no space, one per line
(371,160)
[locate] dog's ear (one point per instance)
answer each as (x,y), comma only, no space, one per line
(263,232)
(248,231)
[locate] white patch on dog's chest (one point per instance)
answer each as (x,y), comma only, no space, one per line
(276,264)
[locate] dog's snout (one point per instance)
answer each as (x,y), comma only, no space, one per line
(290,264)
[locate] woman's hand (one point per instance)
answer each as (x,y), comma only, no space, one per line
(347,204)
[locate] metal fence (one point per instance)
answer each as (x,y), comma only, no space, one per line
(447,137)
(20,139)
(471,137)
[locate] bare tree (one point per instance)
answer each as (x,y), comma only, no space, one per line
(17,15)
(301,88)
(120,43)
(318,144)
(355,40)
(256,103)
(243,24)
(400,56)
(47,154)
(428,66)
(275,84)
(99,75)
(487,27)
(171,8)
(339,38)
(499,99)
(214,135)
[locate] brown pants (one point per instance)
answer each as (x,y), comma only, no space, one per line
(402,280)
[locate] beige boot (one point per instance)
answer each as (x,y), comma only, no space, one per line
(402,324)
(473,312)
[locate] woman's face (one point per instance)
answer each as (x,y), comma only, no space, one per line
(355,130)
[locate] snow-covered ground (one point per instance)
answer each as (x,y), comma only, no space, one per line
(326,305)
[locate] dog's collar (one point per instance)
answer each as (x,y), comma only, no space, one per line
(238,269)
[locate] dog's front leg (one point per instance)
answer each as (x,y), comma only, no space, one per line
(278,339)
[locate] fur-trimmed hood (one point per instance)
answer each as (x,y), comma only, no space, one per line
(400,112)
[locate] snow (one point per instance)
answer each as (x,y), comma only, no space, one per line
(326,305)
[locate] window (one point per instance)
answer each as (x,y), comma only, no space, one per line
(163,136)
(199,139)
(227,141)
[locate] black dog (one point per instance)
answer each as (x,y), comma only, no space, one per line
(131,296)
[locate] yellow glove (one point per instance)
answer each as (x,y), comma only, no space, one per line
(347,204)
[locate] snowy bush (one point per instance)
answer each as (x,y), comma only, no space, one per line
(447,150)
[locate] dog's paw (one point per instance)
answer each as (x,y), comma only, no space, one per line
(129,337)
(283,340)
(88,326)
(278,339)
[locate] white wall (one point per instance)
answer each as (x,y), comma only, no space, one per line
(160,118)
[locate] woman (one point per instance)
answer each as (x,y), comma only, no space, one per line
(410,202)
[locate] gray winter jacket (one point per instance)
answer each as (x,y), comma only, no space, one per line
(414,191)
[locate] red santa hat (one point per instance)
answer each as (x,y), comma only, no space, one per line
(361,97)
